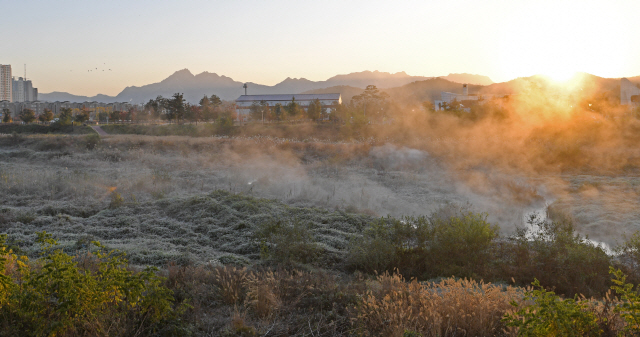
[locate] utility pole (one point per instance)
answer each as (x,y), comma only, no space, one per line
(245,89)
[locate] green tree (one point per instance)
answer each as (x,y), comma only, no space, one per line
(314,110)
(193,113)
(206,108)
(46,116)
(155,106)
(65,117)
(115,116)
(82,116)
(27,116)
(293,109)
(129,115)
(279,113)
(260,111)
(6,118)
(255,111)
(215,101)
(176,107)
(215,107)
(373,102)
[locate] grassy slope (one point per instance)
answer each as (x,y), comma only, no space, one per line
(190,229)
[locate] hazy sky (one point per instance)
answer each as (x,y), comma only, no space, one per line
(265,41)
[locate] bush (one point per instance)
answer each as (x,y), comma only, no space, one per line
(55,297)
(555,254)
(92,140)
(116,200)
(549,315)
(630,308)
(458,244)
(287,242)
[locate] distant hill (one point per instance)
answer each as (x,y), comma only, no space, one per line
(400,86)
(63,96)
(588,84)
(468,78)
(428,90)
(194,87)
(346,91)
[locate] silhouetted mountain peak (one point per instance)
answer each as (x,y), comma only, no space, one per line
(180,75)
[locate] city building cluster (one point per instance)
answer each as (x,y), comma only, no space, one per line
(38,107)
(14,89)
(17,94)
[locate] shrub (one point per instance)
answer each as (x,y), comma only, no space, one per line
(630,308)
(549,315)
(555,254)
(376,250)
(25,217)
(92,140)
(458,244)
(55,297)
(461,244)
(287,242)
(116,200)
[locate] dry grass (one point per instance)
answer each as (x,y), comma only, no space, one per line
(449,307)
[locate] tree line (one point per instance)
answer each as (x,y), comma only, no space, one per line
(370,105)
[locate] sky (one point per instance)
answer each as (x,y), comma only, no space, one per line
(133,43)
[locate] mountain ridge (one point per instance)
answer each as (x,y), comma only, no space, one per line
(194,87)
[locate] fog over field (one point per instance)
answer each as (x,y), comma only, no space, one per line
(55,183)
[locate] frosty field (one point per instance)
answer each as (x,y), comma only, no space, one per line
(182,199)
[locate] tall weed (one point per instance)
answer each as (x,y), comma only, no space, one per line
(447,308)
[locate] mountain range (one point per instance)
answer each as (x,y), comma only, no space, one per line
(194,87)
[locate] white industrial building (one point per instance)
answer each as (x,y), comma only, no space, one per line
(6,85)
(629,93)
(329,101)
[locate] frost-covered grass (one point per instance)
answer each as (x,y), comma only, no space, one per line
(196,229)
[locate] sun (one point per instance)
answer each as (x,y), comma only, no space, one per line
(559,43)
(560,75)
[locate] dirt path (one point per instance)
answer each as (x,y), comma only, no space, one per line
(99,131)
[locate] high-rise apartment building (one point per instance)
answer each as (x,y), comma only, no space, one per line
(6,84)
(23,91)
(18,90)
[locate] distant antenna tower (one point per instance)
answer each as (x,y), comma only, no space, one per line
(245,89)
(25,71)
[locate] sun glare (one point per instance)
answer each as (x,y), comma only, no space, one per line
(561,75)
(539,41)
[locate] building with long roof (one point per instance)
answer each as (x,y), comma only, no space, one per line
(329,101)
